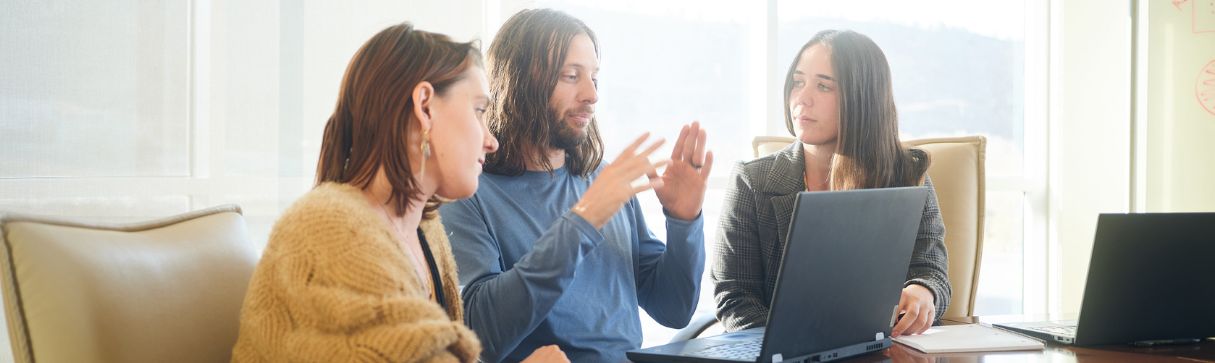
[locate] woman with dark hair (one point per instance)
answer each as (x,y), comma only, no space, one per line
(359,268)
(839,103)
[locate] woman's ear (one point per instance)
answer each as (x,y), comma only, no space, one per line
(422,96)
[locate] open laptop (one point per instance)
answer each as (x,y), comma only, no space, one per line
(837,290)
(1150,282)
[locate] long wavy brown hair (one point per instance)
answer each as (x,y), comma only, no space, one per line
(868,151)
(374,114)
(524,63)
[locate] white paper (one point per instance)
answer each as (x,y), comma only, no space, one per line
(968,338)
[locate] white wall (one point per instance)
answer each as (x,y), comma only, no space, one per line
(1089,132)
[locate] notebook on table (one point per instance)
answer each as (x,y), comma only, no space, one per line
(968,338)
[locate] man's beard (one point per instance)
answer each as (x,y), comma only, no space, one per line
(566,137)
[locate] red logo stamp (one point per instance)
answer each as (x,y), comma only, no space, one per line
(1204,87)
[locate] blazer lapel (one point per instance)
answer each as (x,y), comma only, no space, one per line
(782,184)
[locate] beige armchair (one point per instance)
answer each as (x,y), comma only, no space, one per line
(162,291)
(958,174)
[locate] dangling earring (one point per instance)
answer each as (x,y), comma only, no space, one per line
(425,153)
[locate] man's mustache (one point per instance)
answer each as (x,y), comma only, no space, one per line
(583,109)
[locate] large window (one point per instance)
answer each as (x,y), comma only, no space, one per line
(134,110)
(958,70)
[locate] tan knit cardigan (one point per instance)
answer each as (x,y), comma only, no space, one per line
(334,286)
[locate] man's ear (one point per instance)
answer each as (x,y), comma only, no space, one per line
(422,95)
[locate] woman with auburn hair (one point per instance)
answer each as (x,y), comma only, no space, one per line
(359,268)
(839,103)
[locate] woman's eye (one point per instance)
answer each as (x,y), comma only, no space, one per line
(823,87)
(798,84)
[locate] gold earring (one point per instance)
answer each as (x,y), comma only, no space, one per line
(425,152)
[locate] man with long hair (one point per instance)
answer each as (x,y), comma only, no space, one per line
(553,247)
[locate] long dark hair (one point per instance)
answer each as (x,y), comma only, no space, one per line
(371,123)
(524,63)
(868,152)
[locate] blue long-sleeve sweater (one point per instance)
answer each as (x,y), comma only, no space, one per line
(533,273)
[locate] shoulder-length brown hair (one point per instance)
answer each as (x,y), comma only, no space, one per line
(524,63)
(371,123)
(868,151)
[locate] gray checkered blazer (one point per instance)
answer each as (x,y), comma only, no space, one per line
(754,220)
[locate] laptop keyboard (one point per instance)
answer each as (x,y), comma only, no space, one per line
(748,350)
(1061,330)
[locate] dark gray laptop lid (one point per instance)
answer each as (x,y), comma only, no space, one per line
(1150,277)
(845,263)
